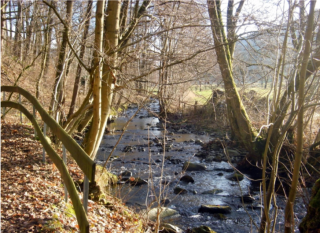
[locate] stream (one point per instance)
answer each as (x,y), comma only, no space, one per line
(140,153)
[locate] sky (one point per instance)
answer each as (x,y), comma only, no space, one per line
(264,13)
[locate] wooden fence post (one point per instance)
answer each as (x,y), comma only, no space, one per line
(3,99)
(20,111)
(85,193)
(44,151)
(65,162)
(35,117)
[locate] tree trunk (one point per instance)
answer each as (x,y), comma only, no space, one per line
(58,86)
(82,51)
(109,76)
(18,35)
(92,136)
(10,23)
(29,29)
(239,121)
(289,218)
(45,54)
(49,36)
(2,23)
(311,222)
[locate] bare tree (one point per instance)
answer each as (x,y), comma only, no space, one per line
(3,8)
(289,223)
(81,56)
(58,92)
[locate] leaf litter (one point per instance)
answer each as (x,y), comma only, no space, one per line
(32,194)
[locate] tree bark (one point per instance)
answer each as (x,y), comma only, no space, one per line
(109,76)
(289,218)
(45,54)
(92,136)
(29,29)
(18,35)
(82,51)
(2,23)
(58,86)
(239,120)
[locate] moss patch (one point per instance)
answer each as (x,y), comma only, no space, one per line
(105,178)
(70,210)
(53,225)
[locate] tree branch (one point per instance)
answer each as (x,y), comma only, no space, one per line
(68,40)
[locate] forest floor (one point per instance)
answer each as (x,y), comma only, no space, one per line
(32,194)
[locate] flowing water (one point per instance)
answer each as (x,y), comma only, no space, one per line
(136,153)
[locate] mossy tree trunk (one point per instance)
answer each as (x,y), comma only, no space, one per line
(311,222)
(224,47)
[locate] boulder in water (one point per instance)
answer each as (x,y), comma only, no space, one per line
(183,131)
(165,213)
(169,228)
(215,209)
(233,153)
(202,154)
(178,190)
(165,201)
(187,179)
(187,166)
(235,177)
(199,142)
(213,191)
(126,173)
(128,149)
(137,181)
(202,229)
(247,198)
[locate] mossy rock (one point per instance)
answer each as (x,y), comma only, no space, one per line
(187,179)
(213,191)
(202,154)
(235,177)
(105,178)
(220,216)
(138,181)
(215,209)
(169,228)
(202,229)
(311,222)
(178,190)
(165,213)
(97,188)
(187,166)
(233,153)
